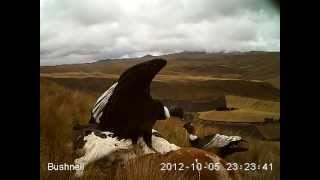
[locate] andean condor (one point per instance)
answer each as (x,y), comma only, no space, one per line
(224,145)
(127,108)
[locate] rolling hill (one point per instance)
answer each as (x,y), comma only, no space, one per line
(263,66)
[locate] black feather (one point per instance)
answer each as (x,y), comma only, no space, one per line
(131,111)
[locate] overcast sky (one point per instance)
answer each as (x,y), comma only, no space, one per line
(78,31)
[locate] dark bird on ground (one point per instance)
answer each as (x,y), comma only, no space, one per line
(127,108)
(224,145)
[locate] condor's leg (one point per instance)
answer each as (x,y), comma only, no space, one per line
(147,137)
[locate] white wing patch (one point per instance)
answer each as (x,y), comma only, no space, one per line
(96,148)
(221,140)
(161,145)
(102,102)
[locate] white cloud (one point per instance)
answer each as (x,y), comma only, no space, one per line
(76,31)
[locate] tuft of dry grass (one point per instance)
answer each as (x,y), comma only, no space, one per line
(60,106)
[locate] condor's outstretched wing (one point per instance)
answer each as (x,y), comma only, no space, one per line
(99,106)
(137,79)
(127,104)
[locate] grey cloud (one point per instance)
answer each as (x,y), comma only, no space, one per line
(77,31)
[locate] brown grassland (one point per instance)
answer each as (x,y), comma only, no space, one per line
(250,81)
(61,105)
